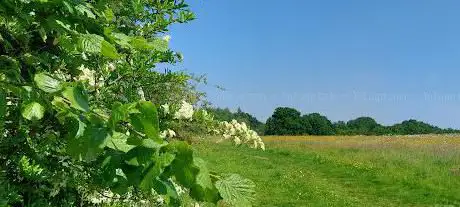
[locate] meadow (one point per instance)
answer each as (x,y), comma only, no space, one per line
(346,171)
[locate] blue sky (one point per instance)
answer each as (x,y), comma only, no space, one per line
(391,60)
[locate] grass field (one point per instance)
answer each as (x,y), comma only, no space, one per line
(346,171)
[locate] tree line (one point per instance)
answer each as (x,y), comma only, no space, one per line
(289,121)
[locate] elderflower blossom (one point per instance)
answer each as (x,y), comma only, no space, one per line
(167,134)
(167,38)
(87,75)
(240,133)
(185,111)
(165,108)
(61,75)
(111,67)
(179,189)
(141,94)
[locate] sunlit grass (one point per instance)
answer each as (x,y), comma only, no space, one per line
(346,171)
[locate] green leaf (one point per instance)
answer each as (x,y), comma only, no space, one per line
(89,146)
(108,13)
(204,189)
(77,97)
(109,50)
(146,121)
(47,83)
(182,167)
(236,190)
(148,177)
(90,43)
(166,187)
(122,39)
(68,7)
(74,126)
(95,44)
(33,111)
(157,44)
(85,11)
(118,142)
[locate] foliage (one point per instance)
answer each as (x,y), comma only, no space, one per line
(320,125)
(284,121)
(75,125)
(287,121)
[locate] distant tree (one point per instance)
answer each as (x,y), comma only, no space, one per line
(320,125)
(363,125)
(414,127)
(285,121)
(341,128)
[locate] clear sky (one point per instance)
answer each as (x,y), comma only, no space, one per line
(388,59)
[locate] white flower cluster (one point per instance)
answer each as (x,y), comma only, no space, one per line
(61,75)
(167,134)
(167,38)
(165,108)
(185,111)
(240,133)
(179,189)
(141,93)
(89,76)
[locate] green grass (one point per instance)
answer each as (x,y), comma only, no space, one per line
(345,171)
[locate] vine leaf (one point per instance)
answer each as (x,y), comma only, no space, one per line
(47,83)
(77,97)
(236,190)
(33,111)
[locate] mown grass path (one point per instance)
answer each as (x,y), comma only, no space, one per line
(346,171)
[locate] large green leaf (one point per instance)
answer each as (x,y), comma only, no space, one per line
(146,120)
(157,44)
(204,189)
(47,83)
(183,166)
(151,172)
(95,44)
(108,50)
(33,111)
(75,128)
(89,146)
(121,113)
(77,97)
(118,142)
(236,190)
(84,10)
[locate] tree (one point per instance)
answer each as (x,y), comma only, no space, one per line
(320,125)
(285,121)
(363,125)
(341,128)
(414,127)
